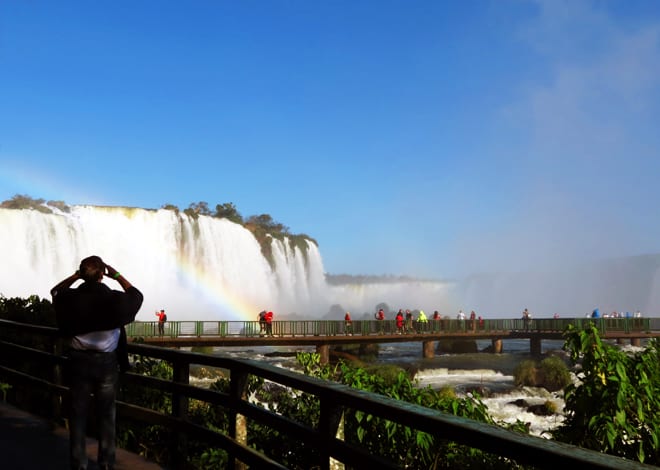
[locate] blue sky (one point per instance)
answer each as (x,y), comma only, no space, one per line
(422,138)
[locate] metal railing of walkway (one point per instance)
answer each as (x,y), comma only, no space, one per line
(296,328)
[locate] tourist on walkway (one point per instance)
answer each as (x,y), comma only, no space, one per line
(473,320)
(380,316)
(399,322)
(269,323)
(527,319)
(437,321)
(93,316)
(409,322)
(162,318)
(261,317)
(422,321)
(348,324)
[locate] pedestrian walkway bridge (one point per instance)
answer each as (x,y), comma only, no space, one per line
(326,333)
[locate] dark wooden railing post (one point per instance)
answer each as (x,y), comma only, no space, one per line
(323,351)
(237,422)
(181,374)
(329,422)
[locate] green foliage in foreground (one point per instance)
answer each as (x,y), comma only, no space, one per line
(407,447)
(615,407)
(33,310)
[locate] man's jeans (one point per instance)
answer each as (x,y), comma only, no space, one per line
(97,373)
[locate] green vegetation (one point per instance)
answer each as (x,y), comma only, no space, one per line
(615,407)
(32,310)
(525,373)
(20,201)
(552,373)
(555,373)
(405,446)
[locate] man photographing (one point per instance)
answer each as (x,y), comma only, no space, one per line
(93,316)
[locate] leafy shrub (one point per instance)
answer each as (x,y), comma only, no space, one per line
(525,373)
(615,406)
(555,373)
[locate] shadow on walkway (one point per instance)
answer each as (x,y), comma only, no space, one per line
(28,442)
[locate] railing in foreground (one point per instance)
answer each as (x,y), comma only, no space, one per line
(34,369)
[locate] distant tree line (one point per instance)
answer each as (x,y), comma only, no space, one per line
(21,201)
(263,226)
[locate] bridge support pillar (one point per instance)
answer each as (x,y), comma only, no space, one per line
(324,351)
(428,349)
(497,346)
(535,346)
(621,341)
(635,341)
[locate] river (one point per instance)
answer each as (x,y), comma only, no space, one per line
(492,374)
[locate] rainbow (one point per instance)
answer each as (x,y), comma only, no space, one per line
(229,305)
(19,178)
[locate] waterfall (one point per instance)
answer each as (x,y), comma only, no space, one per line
(194,268)
(201,268)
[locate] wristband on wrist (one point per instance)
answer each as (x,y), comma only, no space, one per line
(116,276)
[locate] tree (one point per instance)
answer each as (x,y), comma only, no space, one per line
(266,222)
(23,201)
(170,207)
(228,211)
(197,209)
(615,406)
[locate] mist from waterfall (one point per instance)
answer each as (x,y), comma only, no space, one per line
(201,268)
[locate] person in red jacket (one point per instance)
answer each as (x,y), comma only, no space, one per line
(162,318)
(399,322)
(269,323)
(380,316)
(348,324)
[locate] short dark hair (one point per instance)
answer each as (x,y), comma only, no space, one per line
(92,269)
